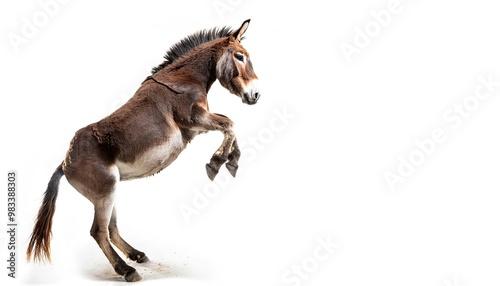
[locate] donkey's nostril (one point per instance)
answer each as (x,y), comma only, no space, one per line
(256,95)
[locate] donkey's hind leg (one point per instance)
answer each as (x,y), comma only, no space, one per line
(100,232)
(117,240)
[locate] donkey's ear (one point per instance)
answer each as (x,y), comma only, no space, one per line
(238,34)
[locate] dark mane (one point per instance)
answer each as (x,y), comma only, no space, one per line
(190,42)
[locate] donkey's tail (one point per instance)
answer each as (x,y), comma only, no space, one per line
(39,244)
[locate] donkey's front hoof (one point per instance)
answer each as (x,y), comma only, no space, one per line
(211,172)
(133,276)
(232,168)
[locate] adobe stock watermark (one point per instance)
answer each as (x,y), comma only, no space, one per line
(124,96)
(250,148)
(453,117)
(30,26)
(451,282)
(364,35)
(301,271)
(221,7)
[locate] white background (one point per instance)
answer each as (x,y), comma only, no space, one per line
(319,176)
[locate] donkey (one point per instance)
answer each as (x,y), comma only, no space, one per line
(148,132)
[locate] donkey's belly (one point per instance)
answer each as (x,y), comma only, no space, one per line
(153,160)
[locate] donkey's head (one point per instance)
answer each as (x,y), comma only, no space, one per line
(234,68)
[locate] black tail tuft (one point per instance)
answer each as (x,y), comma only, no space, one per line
(39,244)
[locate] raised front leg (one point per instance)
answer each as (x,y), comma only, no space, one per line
(228,150)
(234,156)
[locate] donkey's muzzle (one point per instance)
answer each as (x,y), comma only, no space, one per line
(250,97)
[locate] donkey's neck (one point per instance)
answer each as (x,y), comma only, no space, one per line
(198,65)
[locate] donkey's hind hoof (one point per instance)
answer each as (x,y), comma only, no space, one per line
(133,277)
(138,256)
(232,168)
(211,172)
(142,259)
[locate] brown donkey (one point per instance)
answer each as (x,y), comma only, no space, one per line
(147,134)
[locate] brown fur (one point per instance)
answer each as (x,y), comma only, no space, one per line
(148,133)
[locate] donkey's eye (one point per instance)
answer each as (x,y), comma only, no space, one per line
(239,57)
